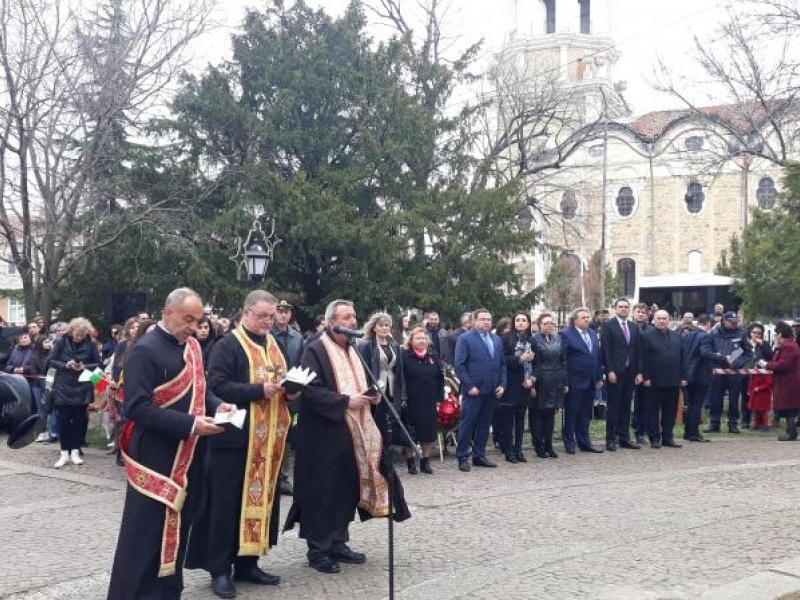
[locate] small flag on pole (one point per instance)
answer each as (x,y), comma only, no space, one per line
(97,378)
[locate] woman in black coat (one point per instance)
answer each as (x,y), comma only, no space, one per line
(73,353)
(550,385)
(516,399)
(382,355)
(423,377)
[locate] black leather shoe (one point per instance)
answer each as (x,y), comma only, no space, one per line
(512,458)
(483,462)
(521,458)
(629,444)
(256,575)
(611,446)
(698,438)
(733,429)
(463,465)
(656,445)
(570,450)
(671,444)
(592,450)
(344,554)
(223,587)
(542,454)
(325,565)
(711,429)
(552,453)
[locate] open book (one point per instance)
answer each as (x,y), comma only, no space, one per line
(234,418)
(297,378)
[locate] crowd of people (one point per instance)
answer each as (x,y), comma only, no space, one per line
(173,381)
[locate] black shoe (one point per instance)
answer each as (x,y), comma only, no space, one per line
(463,465)
(640,440)
(325,564)
(656,445)
(425,466)
(711,429)
(698,438)
(569,450)
(256,575)
(412,466)
(733,429)
(344,554)
(542,454)
(592,450)
(611,446)
(671,444)
(552,453)
(629,445)
(512,458)
(521,458)
(483,462)
(223,587)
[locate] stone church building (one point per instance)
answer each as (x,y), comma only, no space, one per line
(663,193)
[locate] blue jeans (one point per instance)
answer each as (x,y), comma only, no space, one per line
(473,428)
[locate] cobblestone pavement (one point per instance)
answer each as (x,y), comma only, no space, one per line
(663,524)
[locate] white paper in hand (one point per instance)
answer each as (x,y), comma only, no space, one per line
(234,418)
(297,378)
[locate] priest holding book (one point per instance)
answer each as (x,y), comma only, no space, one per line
(240,519)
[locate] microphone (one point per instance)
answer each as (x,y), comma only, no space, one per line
(346,331)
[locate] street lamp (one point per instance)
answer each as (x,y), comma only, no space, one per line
(254,253)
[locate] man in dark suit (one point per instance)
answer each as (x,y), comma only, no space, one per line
(584,376)
(639,420)
(481,367)
(698,360)
(662,369)
(621,352)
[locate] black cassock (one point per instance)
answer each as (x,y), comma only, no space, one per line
(326,484)
(154,360)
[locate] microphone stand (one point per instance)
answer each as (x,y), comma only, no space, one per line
(391,415)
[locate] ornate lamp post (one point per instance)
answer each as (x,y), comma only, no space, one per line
(254,253)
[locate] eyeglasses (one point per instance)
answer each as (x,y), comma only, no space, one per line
(262,317)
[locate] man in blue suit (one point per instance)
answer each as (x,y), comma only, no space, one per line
(584,376)
(481,367)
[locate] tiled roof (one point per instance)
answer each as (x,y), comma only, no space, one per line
(741,117)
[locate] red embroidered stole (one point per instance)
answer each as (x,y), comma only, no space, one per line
(367,442)
(269,425)
(171,491)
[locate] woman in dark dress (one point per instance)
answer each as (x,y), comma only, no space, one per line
(516,399)
(550,385)
(423,390)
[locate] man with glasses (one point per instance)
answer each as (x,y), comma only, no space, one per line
(240,519)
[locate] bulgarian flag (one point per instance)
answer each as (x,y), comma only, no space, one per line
(97,378)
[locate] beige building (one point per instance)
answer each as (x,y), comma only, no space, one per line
(668,189)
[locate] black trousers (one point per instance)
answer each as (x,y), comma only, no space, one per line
(225,478)
(542,423)
(722,383)
(665,401)
(639,420)
(694,397)
(618,407)
(747,414)
(512,427)
(72,424)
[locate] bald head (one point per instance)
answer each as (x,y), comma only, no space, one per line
(661,319)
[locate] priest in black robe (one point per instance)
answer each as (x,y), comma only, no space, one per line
(328,488)
(156,433)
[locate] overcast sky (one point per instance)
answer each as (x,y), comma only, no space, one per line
(642,29)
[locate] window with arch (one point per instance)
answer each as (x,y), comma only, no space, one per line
(625,201)
(766,193)
(694,197)
(626,273)
(695,261)
(569,205)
